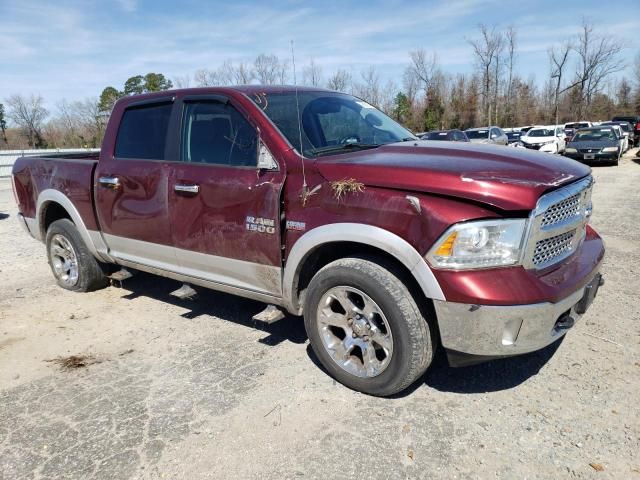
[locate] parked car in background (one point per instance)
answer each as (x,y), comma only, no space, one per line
(524,130)
(492,134)
(560,132)
(624,141)
(513,137)
(545,139)
(627,131)
(595,144)
(447,135)
(634,121)
(571,128)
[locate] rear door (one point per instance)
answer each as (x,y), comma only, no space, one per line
(225,212)
(132,187)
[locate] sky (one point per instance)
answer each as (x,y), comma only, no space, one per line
(72,49)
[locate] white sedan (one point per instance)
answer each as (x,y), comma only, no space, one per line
(545,139)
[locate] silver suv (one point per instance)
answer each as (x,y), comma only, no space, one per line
(493,135)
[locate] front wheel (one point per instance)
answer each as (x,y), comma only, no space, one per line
(366,328)
(71,262)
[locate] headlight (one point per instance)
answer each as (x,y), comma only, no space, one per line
(610,149)
(549,142)
(570,150)
(480,244)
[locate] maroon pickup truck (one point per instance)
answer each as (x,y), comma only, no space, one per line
(316,203)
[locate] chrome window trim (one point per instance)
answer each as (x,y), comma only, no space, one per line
(536,232)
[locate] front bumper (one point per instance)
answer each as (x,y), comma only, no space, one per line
(597,157)
(489,331)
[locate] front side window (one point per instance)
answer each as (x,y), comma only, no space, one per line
(331,122)
(217,133)
(143,132)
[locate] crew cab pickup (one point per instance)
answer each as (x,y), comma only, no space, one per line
(316,203)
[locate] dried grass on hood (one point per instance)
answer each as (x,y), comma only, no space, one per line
(346,186)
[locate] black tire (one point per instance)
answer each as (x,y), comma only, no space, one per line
(90,273)
(412,337)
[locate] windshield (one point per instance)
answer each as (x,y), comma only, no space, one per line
(435,136)
(540,132)
(475,134)
(594,135)
(331,122)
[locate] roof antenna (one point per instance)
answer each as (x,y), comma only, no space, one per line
(295,83)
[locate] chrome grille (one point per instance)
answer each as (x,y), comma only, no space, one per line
(562,211)
(551,248)
(558,224)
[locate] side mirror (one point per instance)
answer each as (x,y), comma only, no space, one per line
(494,136)
(265,158)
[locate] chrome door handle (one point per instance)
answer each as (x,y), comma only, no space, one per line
(193,189)
(110,182)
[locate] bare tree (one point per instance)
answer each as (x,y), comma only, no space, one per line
(312,74)
(267,69)
(243,74)
(183,81)
(206,78)
(339,81)
(487,50)
(511,37)
(369,89)
(558,58)
(423,67)
(28,113)
(598,58)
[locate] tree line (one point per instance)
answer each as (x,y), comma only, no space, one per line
(578,86)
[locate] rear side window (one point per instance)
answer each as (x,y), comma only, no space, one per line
(217,133)
(143,132)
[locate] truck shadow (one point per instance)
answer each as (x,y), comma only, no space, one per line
(496,375)
(229,308)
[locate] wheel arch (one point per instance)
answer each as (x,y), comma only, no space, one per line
(327,243)
(54,205)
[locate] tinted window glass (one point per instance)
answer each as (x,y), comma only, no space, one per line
(329,119)
(217,133)
(436,136)
(143,132)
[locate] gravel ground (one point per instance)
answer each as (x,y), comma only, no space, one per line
(194,389)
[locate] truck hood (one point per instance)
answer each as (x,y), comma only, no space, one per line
(506,178)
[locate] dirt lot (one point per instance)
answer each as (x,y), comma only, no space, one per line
(195,389)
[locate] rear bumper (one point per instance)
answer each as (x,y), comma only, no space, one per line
(490,331)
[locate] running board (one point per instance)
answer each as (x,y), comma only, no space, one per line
(269,315)
(184,292)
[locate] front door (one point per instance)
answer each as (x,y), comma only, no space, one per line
(132,187)
(225,213)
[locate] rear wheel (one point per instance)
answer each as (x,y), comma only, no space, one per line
(71,262)
(366,328)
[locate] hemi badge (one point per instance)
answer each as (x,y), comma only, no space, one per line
(299,226)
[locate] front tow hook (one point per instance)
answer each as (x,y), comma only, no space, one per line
(565,322)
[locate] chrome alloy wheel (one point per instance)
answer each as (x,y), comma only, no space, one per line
(354,331)
(64,260)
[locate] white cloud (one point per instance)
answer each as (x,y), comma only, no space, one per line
(128,5)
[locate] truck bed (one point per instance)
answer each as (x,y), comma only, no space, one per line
(68,173)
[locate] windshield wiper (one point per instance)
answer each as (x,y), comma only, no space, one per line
(342,147)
